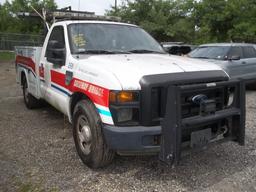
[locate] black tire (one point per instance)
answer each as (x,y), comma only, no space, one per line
(89,139)
(30,101)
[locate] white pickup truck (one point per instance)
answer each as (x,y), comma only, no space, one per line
(123,94)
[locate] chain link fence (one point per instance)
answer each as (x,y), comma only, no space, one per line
(9,40)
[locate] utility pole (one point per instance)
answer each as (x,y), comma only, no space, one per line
(115,5)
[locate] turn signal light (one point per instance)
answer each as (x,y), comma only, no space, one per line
(122,97)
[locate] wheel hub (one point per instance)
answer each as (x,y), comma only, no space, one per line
(84,135)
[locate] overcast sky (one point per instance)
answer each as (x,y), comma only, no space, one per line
(97,6)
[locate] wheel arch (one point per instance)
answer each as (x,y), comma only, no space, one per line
(78,96)
(74,99)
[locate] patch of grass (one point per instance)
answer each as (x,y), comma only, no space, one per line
(29,187)
(55,189)
(7,56)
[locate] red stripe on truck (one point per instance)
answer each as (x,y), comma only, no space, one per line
(97,94)
(27,61)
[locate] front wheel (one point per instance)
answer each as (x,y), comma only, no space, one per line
(88,136)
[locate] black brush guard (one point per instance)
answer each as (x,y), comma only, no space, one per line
(173,124)
(172,127)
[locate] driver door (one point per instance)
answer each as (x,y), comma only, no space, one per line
(54,66)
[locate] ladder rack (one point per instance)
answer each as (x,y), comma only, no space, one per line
(78,15)
(62,15)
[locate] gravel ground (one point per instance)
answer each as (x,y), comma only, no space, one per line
(37,153)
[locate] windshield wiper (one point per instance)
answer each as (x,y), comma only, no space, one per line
(102,52)
(201,57)
(121,52)
(94,52)
(144,51)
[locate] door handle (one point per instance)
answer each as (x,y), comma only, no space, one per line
(243,62)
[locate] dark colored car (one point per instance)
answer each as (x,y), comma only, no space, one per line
(177,48)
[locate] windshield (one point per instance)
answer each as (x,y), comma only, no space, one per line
(98,38)
(212,52)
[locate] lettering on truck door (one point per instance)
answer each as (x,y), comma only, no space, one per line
(54,70)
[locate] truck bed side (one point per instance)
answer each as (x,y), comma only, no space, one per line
(27,65)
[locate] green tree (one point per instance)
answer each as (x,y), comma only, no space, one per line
(192,20)
(230,20)
(9,22)
(5,17)
(244,24)
(164,19)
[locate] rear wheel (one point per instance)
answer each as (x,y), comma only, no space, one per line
(30,101)
(88,136)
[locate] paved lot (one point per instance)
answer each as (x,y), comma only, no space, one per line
(37,153)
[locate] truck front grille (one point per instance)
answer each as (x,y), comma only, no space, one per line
(188,108)
(154,90)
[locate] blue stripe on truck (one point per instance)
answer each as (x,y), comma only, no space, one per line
(59,89)
(103,112)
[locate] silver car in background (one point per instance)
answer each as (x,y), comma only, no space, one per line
(237,59)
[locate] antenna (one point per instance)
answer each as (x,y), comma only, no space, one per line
(43,16)
(78,27)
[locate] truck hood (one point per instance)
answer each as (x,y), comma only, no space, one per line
(130,68)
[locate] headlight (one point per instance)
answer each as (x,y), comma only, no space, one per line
(124,106)
(124,115)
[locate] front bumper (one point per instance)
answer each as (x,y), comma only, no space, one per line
(175,131)
(133,139)
(140,139)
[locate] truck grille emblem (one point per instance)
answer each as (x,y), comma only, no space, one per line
(198,99)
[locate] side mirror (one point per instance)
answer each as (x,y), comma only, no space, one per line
(56,54)
(234,57)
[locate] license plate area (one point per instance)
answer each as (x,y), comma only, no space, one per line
(201,138)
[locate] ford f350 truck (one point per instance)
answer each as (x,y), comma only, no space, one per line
(123,94)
